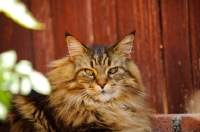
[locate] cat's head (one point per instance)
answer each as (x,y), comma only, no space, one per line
(104,73)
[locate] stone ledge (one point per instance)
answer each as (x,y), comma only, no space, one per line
(176,122)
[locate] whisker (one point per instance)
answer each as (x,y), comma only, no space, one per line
(136,91)
(146,79)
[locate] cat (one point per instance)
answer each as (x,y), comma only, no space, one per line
(95,89)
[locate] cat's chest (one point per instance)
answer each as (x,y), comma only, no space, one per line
(101,115)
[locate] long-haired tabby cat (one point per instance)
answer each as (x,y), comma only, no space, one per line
(95,89)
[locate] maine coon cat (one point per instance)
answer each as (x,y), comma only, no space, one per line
(95,89)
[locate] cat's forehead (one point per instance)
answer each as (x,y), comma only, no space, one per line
(98,49)
(100,56)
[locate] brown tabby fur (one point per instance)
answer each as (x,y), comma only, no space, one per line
(112,98)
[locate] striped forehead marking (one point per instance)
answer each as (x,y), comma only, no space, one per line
(100,56)
(102,60)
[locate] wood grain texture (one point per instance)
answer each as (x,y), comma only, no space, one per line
(74,17)
(79,20)
(125,19)
(194,17)
(43,46)
(176,54)
(104,21)
(157,92)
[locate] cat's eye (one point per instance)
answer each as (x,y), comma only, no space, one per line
(113,70)
(89,72)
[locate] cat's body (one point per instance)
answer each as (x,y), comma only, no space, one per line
(94,89)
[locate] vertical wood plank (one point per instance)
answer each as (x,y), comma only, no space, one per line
(157,92)
(43,44)
(194,14)
(15,37)
(194,17)
(104,17)
(143,16)
(176,54)
(82,21)
(74,17)
(125,19)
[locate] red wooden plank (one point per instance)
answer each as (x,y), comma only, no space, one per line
(125,19)
(15,37)
(74,17)
(157,92)
(104,17)
(6,32)
(82,21)
(176,54)
(194,17)
(43,44)
(144,18)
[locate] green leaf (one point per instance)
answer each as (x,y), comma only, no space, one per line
(40,83)
(5,98)
(25,86)
(24,67)
(5,103)
(1,78)
(18,12)
(8,60)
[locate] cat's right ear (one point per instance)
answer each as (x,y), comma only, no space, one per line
(124,47)
(75,48)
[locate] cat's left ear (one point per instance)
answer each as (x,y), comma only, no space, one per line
(75,48)
(124,47)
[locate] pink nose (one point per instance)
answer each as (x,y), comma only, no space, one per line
(101,82)
(102,85)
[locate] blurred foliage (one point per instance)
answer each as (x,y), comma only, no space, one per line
(18,78)
(18,12)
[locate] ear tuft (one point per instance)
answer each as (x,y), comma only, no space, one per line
(75,48)
(124,47)
(133,32)
(67,34)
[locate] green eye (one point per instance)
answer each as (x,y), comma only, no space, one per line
(89,72)
(113,70)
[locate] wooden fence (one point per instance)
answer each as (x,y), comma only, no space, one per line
(166,47)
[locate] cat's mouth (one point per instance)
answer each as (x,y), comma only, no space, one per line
(103,92)
(103,95)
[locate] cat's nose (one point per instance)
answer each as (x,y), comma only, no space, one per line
(101,82)
(102,85)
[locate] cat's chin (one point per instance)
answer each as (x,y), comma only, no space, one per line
(103,97)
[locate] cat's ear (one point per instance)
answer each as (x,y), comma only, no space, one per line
(75,48)
(124,47)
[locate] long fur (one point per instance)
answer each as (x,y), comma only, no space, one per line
(103,101)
